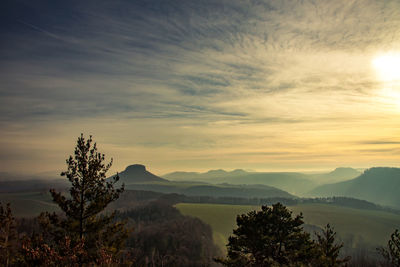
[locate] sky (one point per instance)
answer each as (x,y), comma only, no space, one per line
(187,85)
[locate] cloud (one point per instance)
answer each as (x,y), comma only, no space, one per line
(253,66)
(381,142)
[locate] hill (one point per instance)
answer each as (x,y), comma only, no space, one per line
(196,176)
(136,177)
(338,175)
(137,173)
(219,190)
(15,183)
(379,185)
(292,182)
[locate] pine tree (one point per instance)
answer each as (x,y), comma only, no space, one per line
(84,221)
(8,235)
(329,249)
(391,253)
(270,237)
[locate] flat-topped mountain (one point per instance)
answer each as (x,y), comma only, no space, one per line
(137,173)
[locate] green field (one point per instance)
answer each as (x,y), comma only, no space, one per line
(222,218)
(29,204)
(355,227)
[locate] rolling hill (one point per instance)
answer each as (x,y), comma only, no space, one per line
(206,176)
(219,190)
(293,182)
(338,175)
(380,185)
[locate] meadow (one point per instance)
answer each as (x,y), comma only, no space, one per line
(29,204)
(355,227)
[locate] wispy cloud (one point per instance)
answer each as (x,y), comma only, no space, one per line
(253,66)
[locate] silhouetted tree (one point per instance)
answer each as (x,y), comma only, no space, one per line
(8,236)
(391,253)
(84,221)
(329,249)
(270,237)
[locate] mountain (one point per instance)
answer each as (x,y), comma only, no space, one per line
(137,173)
(244,191)
(338,175)
(380,185)
(292,182)
(209,190)
(16,183)
(182,176)
(136,177)
(205,177)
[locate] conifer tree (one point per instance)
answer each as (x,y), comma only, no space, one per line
(84,221)
(8,235)
(391,253)
(270,237)
(329,249)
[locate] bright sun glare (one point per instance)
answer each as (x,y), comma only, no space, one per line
(388,66)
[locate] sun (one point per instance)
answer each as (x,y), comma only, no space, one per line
(388,66)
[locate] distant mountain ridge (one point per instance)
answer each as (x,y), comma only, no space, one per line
(293,182)
(185,176)
(338,175)
(380,185)
(136,177)
(209,190)
(342,172)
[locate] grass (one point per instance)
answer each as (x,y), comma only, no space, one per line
(355,227)
(221,218)
(29,204)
